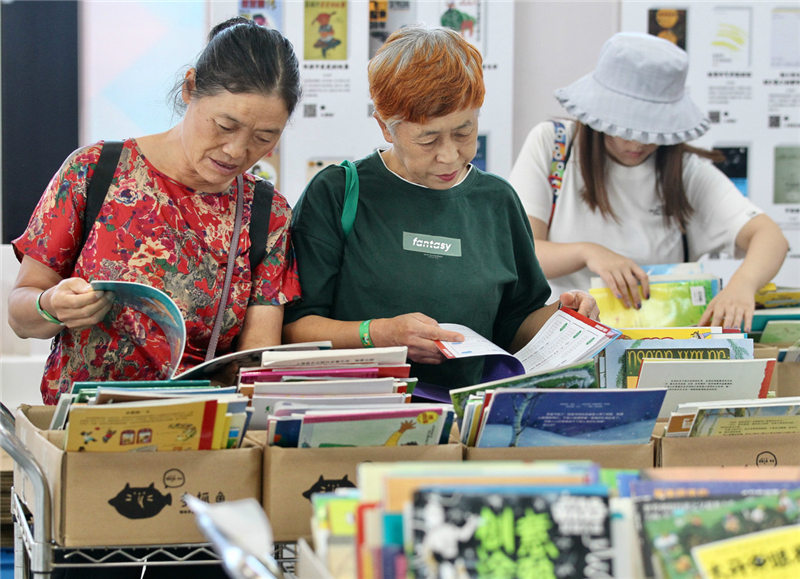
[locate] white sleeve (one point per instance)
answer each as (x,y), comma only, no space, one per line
(720,210)
(531,170)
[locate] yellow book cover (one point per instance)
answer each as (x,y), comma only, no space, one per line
(172,424)
(220,426)
(325,30)
(773,553)
(679,303)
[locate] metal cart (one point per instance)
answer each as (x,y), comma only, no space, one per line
(37,555)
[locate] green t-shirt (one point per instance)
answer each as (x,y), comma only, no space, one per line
(461,255)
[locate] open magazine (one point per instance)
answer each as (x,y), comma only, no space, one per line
(160,308)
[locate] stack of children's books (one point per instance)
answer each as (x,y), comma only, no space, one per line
(341,397)
(155,415)
(487,519)
(717,522)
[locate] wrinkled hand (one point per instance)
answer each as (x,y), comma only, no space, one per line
(730,308)
(416,331)
(581,301)
(76,304)
(620,274)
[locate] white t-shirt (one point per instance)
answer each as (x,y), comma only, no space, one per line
(720,210)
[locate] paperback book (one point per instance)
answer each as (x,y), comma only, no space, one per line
(164,312)
(623,357)
(561,531)
(706,380)
(566,338)
(517,417)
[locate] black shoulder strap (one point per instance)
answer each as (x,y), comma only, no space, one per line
(260,216)
(98,185)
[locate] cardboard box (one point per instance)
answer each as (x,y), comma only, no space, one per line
(758,450)
(291,475)
(606,455)
(108,499)
(788,379)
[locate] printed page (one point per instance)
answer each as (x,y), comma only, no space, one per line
(565,338)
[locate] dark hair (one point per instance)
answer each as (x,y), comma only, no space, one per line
(592,156)
(243,57)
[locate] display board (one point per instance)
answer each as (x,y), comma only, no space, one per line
(334,40)
(744,73)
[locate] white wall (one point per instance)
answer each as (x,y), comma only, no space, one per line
(555,42)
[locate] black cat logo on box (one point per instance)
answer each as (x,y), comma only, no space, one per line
(140,502)
(327,485)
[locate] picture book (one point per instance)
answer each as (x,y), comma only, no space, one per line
(774,296)
(156,305)
(623,357)
(682,332)
(670,528)
(567,337)
(527,531)
(706,380)
(779,415)
(768,550)
(343,386)
(164,312)
(414,424)
(390,355)
(762,316)
(671,303)
(780,332)
(677,489)
(266,404)
(517,417)
(578,375)
(172,424)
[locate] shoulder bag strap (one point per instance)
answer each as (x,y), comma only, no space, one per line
(226,287)
(350,196)
(558,164)
(98,185)
(260,215)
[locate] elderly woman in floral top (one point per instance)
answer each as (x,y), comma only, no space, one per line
(167,222)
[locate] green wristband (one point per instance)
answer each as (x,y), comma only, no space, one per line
(44,313)
(363,332)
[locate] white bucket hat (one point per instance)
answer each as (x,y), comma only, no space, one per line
(637,92)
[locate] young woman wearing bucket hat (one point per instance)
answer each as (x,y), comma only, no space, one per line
(631,191)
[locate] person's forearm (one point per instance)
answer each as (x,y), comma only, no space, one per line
(557,259)
(23,317)
(315,328)
(765,254)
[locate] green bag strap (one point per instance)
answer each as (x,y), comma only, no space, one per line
(350,196)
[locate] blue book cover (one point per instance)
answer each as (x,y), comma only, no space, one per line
(570,417)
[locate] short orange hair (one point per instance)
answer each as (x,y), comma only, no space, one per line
(421,73)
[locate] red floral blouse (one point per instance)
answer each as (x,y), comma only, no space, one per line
(153,230)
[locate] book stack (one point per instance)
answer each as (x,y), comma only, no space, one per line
(151,416)
(735,417)
(717,523)
(343,397)
(426,519)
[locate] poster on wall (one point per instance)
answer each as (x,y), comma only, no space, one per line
(744,73)
(334,119)
(267,13)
